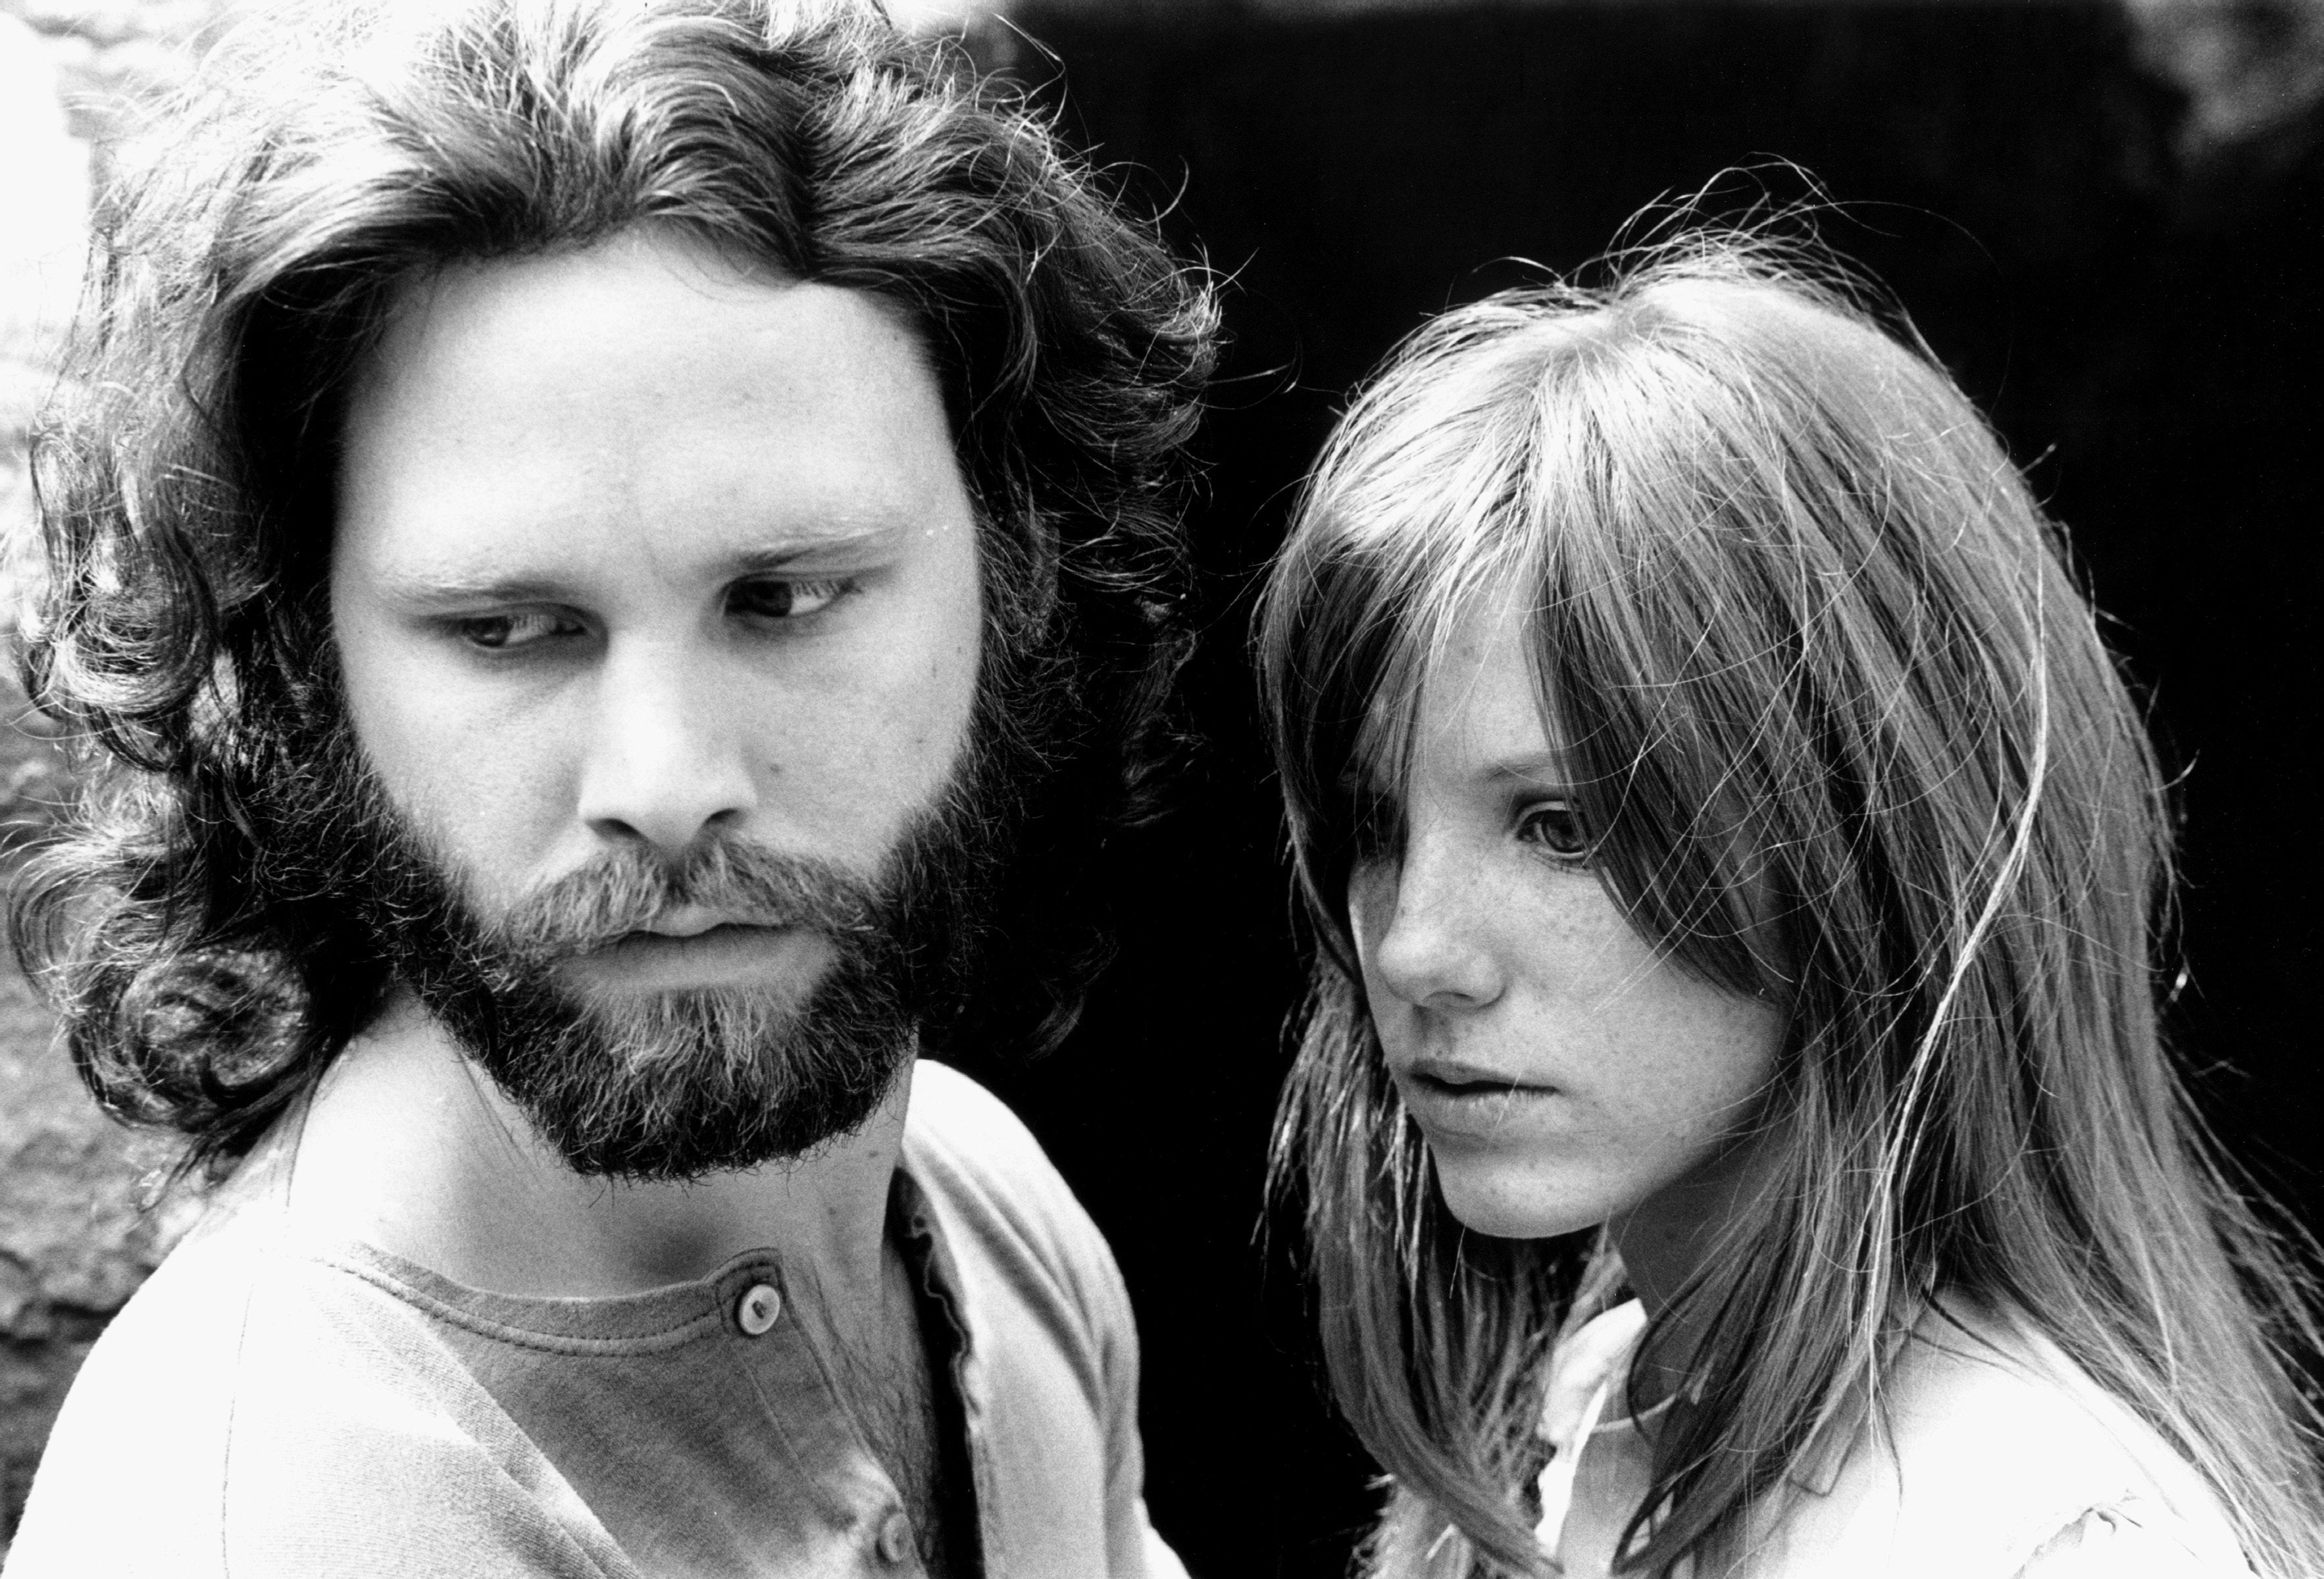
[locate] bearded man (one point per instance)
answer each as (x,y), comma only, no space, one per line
(623,557)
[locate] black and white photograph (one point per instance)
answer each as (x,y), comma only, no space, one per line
(1161,789)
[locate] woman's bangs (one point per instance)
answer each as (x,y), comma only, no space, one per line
(1658,669)
(1386,557)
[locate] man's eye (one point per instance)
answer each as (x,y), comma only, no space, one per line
(502,632)
(1554,827)
(788,600)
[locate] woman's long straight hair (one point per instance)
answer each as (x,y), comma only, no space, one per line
(1824,676)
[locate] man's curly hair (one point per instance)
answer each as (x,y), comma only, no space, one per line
(185,474)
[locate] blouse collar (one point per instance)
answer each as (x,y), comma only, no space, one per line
(1590,1366)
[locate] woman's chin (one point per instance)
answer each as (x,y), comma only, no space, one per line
(1505,1202)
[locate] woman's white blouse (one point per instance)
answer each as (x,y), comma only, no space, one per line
(2000,1460)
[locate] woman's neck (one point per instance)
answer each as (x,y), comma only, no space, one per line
(1665,1243)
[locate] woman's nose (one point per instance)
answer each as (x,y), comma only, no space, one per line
(1423,921)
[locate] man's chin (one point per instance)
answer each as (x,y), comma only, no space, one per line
(664,1086)
(623,1019)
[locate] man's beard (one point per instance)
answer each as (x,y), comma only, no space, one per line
(677,1084)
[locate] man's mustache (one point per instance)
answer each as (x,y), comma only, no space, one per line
(628,890)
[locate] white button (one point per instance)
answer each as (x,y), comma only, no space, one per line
(895,1537)
(758,1308)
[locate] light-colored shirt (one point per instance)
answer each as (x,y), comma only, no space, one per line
(2000,1460)
(276,1407)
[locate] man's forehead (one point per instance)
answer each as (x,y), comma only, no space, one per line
(540,405)
(647,286)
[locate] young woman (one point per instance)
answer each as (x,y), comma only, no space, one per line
(1730,1120)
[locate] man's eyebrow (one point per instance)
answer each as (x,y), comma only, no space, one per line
(428,587)
(782,553)
(776,554)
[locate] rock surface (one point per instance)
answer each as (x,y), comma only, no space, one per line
(74,1240)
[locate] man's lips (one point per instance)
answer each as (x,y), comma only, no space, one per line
(695,920)
(724,952)
(674,930)
(658,940)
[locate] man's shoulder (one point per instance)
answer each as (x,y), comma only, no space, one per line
(961,1139)
(259,1409)
(957,1121)
(966,1149)
(1002,1199)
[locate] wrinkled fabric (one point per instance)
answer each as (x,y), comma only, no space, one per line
(272,1407)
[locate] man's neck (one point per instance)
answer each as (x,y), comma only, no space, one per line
(408,1146)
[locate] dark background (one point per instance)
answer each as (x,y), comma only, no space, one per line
(2140,322)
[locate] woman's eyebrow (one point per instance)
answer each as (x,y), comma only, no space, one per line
(1546,769)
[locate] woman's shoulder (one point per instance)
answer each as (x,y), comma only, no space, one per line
(2131,1539)
(1988,1452)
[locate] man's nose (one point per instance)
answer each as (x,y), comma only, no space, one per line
(1430,914)
(666,763)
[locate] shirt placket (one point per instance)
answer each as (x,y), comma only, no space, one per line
(938,1281)
(825,1457)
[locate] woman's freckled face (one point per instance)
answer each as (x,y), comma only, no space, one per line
(1564,1073)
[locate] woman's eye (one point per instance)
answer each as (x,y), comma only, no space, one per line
(502,632)
(1555,827)
(788,600)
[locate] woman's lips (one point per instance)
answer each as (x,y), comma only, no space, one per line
(1459,1100)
